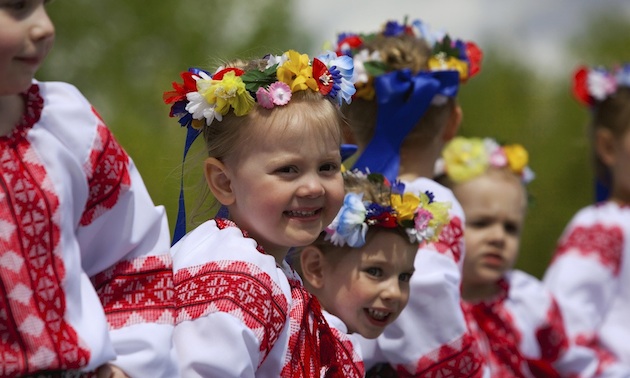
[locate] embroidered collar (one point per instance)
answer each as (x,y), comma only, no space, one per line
(34,104)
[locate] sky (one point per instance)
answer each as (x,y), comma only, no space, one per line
(536,31)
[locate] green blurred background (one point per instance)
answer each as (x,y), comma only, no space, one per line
(124,54)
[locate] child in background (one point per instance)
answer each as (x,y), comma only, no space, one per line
(359,268)
(86,279)
(516,321)
(590,271)
(272,129)
(404,110)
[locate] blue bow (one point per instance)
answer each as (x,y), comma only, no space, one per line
(402,99)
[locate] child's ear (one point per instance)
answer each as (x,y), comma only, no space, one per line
(605,146)
(452,126)
(312,264)
(219,182)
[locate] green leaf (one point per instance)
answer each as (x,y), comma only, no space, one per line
(375,68)
(255,79)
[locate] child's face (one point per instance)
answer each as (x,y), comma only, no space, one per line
(26,37)
(369,286)
(494,204)
(287,185)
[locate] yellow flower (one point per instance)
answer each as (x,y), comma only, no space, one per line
(405,206)
(449,63)
(229,92)
(465,158)
(517,157)
(297,73)
(439,211)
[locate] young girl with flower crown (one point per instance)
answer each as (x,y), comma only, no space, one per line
(272,129)
(590,271)
(85,273)
(516,321)
(360,267)
(404,110)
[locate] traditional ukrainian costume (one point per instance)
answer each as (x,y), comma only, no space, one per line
(441,344)
(590,276)
(522,333)
(85,270)
(239,314)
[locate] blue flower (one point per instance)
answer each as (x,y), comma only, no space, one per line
(341,69)
(393,29)
(349,225)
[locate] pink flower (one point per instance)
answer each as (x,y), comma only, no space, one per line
(263,97)
(280,93)
(498,158)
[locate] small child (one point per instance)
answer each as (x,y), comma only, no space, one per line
(516,321)
(403,113)
(359,268)
(86,279)
(590,271)
(272,129)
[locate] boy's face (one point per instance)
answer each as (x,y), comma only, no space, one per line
(369,286)
(494,205)
(26,37)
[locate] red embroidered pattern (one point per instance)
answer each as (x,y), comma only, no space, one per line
(605,357)
(34,335)
(235,287)
(451,239)
(552,338)
(313,346)
(137,291)
(107,172)
(457,359)
(598,241)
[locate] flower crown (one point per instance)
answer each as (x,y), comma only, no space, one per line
(465,158)
(420,216)
(447,54)
(592,85)
(211,96)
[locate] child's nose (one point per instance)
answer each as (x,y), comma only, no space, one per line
(311,186)
(42,24)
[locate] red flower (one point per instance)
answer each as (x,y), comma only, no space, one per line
(353,41)
(474,54)
(323,77)
(179,94)
(580,86)
(386,220)
(219,75)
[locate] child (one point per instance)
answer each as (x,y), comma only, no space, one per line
(404,111)
(515,320)
(359,269)
(272,128)
(590,272)
(86,275)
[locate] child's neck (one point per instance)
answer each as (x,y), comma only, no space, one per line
(479,292)
(11,110)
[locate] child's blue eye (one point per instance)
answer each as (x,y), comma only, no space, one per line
(328,167)
(405,277)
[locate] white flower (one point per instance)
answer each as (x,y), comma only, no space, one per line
(360,75)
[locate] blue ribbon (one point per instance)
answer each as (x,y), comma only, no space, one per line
(402,99)
(180,223)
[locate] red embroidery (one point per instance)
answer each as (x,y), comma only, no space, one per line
(137,291)
(235,287)
(451,239)
(34,335)
(598,241)
(107,172)
(552,338)
(605,357)
(457,359)
(313,346)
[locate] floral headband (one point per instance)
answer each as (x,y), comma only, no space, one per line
(466,158)
(447,54)
(419,215)
(211,96)
(592,85)
(402,96)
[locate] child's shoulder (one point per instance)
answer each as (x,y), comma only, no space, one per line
(217,241)
(528,288)
(607,212)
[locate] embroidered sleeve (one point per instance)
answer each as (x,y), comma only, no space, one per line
(237,288)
